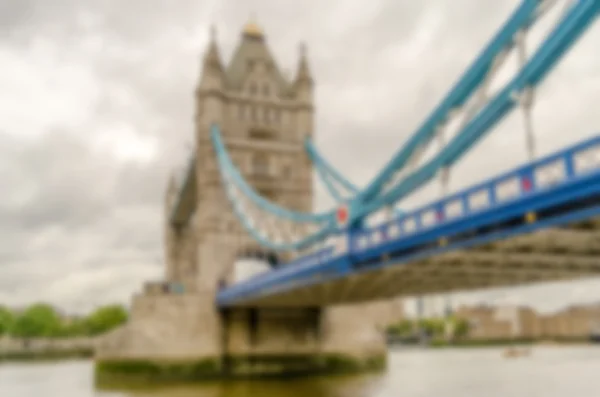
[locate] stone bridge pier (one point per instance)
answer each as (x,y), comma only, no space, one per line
(287,341)
(184,337)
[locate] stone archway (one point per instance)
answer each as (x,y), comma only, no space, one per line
(271,257)
(259,258)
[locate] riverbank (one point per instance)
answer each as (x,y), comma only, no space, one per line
(13,349)
(124,374)
(549,372)
(46,355)
(64,349)
(481,343)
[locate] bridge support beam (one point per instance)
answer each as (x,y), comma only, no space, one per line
(174,338)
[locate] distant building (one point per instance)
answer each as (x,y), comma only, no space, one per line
(485,323)
(518,322)
(574,322)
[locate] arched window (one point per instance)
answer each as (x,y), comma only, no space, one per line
(260,164)
(268,194)
(276,115)
(241,112)
(286,171)
(253,114)
(253,89)
(262,133)
(266,89)
(267,115)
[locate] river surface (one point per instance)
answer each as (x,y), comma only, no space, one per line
(547,372)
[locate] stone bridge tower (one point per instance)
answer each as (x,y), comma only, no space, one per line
(264,119)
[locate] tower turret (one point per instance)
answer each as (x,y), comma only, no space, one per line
(170,234)
(303,83)
(170,195)
(209,93)
(212,68)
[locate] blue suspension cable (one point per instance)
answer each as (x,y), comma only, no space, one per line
(326,168)
(295,216)
(226,171)
(326,171)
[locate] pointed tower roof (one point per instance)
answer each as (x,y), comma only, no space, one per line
(212,57)
(172,184)
(303,74)
(252,48)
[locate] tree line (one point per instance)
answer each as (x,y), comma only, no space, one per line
(434,327)
(42,320)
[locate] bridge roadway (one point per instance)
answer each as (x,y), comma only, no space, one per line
(486,236)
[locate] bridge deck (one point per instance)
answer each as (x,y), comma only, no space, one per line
(421,252)
(549,255)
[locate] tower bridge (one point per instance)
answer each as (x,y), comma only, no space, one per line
(248,192)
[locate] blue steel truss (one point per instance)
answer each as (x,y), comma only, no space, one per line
(563,37)
(471,80)
(560,188)
(328,175)
(522,18)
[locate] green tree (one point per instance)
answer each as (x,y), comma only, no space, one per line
(461,328)
(105,319)
(433,326)
(74,327)
(38,320)
(403,328)
(7,319)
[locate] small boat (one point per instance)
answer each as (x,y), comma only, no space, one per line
(513,352)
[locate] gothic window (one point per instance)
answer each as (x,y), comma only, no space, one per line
(266,115)
(253,114)
(268,194)
(241,111)
(261,133)
(253,89)
(266,89)
(250,65)
(276,115)
(287,171)
(260,164)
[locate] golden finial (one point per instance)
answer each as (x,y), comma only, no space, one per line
(252,29)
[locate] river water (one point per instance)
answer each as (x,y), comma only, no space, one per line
(546,372)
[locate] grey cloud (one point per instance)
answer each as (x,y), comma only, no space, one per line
(84,213)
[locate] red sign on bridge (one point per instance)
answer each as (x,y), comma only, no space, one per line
(526,184)
(342,215)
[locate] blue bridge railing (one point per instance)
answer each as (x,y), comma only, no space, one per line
(525,182)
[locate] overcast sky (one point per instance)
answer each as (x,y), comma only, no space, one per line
(96,110)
